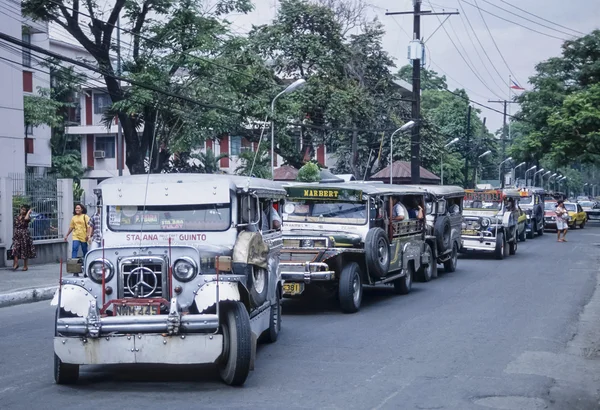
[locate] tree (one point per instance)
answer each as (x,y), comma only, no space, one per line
(309,173)
(255,164)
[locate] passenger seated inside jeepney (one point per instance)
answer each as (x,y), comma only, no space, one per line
(415,210)
(272,216)
(399,212)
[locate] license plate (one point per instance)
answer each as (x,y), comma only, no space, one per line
(137,310)
(292,289)
(470,232)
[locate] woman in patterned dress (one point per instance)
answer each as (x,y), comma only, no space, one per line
(22,243)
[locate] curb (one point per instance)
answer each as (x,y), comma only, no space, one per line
(27,296)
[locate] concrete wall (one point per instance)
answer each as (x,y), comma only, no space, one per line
(12,131)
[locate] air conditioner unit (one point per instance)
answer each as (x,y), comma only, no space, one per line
(99,154)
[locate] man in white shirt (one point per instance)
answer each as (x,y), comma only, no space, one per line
(273,217)
(398,211)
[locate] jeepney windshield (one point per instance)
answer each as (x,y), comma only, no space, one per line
(212,217)
(526,200)
(352,213)
(476,204)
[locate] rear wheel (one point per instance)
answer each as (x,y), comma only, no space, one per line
(234,364)
(403,285)
(272,333)
(512,247)
(582,225)
(522,235)
(350,288)
(531,234)
(450,264)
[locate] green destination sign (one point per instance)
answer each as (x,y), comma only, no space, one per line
(329,194)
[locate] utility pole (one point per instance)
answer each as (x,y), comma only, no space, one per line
(120,150)
(504,129)
(476,147)
(467,145)
(416,54)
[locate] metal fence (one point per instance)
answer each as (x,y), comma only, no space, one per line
(43,195)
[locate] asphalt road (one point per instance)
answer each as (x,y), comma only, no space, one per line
(509,334)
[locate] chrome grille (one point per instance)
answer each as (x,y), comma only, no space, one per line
(143,277)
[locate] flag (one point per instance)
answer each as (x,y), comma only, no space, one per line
(516,86)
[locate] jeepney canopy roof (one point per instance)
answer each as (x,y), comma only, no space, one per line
(183,189)
(512,193)
(443,191)
(348,191)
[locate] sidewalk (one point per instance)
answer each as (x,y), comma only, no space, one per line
(38,283)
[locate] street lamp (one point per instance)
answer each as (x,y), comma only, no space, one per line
(500,171)
(454,141)
(405,127)
(542,177)
(488,152)
(551,176)
(290,88)
(535,174)
(515,170)
(530,169)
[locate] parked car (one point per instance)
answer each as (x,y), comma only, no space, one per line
(189,274)
(491,221)
(532,202)
(444,218)
(577,214)
(592,210)
(341,236)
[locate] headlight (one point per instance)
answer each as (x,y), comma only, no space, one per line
(95,270)
(307,243)
(485,222)
(185,270)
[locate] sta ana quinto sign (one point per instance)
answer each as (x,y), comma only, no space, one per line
(163,237)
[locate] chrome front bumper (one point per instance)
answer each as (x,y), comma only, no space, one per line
(80,326)
(308,275)
(477,243)
(141,348)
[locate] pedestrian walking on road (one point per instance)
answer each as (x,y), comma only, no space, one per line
(94,232)
(79,227)
(562,218)
(22,246)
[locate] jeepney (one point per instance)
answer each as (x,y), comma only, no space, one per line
(340,237)
(187,274)
(444,205)
(532,202)
(491,221)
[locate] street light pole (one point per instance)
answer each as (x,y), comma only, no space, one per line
(455,140)
(405,127)
(515,170)
(500,176)
(535,174)
(477,167)
(290,88)
(530,169)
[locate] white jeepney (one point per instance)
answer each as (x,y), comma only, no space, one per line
(188,274)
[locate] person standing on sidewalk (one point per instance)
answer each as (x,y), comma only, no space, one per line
(94,232)
(562,221)
(79,225)
(22,246)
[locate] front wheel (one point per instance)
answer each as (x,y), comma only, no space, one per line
(350,288)
(428,272)
(65,373)
(450,264)
(258,285)
(582,225)
(234,364)
(500,245)
(403,285)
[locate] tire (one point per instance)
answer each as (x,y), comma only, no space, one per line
(512,247)
(234,364)
(500,245)
(582,225)
(450,264)
(258,285)
(350,288)
(531,234)
(377,252)
(65,373)
(272,333)
(443,233)
(541,230)
(427,272)
(403,285)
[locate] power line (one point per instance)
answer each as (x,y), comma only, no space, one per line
(512,22)
(494,41)
(541,18)
(525,18)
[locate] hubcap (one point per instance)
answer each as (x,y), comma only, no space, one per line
(356,289)
(382,252)
(259,280)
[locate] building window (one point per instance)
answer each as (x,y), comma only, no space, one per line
(102,103)
(106,144)
(26,37)
(27,81)
(236,145)
(28,145)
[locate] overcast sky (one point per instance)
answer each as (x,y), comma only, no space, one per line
(521,48)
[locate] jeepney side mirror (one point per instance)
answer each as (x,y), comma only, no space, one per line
(441,207)
(250,206)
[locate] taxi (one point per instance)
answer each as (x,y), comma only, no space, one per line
(577,214)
